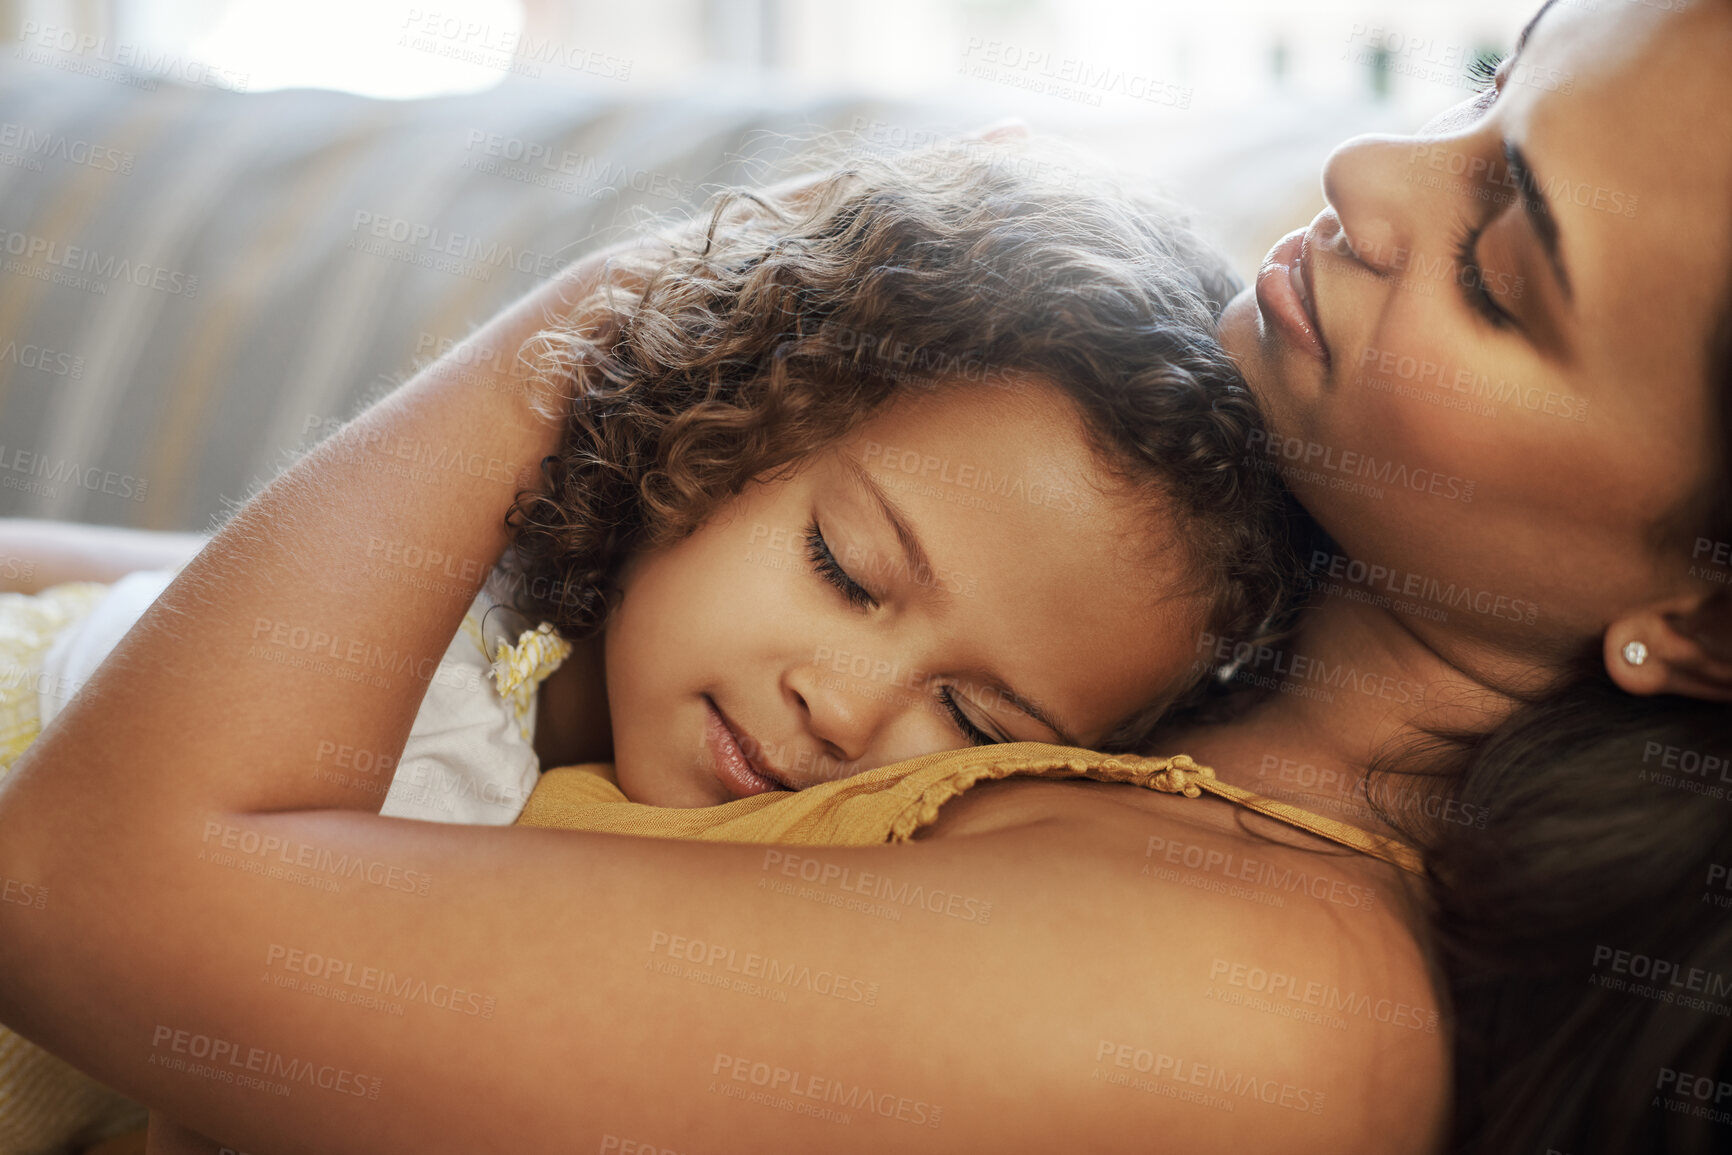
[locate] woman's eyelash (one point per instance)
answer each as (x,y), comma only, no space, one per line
(1472,278)
(969,730)
(1483,70)
(826,566)
(1483,75)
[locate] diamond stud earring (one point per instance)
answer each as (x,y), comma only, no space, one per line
(1635,653)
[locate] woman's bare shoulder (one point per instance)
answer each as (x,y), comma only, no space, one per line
(1284,943)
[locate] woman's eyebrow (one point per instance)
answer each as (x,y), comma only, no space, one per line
(1539,213)
(1522,40)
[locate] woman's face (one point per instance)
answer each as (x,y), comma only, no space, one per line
(801,621)
(1506,389)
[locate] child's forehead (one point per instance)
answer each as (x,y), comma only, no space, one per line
(1021,563)
(983,485)
(985,410)
(1020,430)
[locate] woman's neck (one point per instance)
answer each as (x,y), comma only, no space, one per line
(1353,682)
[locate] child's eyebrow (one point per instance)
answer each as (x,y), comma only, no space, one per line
(914,554)
(1027,707)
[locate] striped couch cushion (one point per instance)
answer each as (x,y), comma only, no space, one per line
(199,284)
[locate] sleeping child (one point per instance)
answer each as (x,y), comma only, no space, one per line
(945,455)
(954,340)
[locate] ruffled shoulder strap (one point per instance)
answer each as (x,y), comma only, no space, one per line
(891,803)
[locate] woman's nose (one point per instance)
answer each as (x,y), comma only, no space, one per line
(1362,181)
(1398,197)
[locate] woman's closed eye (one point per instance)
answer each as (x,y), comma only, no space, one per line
(1471,276)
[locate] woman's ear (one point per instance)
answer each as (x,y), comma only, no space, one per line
(1683,646)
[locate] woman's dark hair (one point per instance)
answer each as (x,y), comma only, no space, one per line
(777,331)
(1584,934)
(1578,905)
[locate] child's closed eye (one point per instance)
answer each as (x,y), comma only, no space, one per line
(969,730)
(824,563)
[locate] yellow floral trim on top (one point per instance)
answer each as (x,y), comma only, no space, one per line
(519,669)
(44,1101)
(29,624)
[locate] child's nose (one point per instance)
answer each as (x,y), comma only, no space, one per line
(834,710)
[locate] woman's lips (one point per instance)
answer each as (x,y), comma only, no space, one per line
(1286,295)
(733,768)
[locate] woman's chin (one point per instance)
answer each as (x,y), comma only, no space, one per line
(1279,375)
(1248,341)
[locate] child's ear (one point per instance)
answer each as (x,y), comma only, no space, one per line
(1682,646)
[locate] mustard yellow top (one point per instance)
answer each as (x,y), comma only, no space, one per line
(892,802)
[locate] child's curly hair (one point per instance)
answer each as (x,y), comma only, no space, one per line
(783,330)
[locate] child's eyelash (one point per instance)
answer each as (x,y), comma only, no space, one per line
(1472,278)
(826,566)
(824,563)
(969,730)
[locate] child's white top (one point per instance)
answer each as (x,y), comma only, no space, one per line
(470,757)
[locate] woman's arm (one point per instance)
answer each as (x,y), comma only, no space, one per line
(37,554)
(207,894)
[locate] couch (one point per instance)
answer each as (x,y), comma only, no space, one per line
(200,283)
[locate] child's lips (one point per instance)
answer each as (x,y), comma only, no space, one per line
(737,771)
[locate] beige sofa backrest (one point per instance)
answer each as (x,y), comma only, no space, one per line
(197,284)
